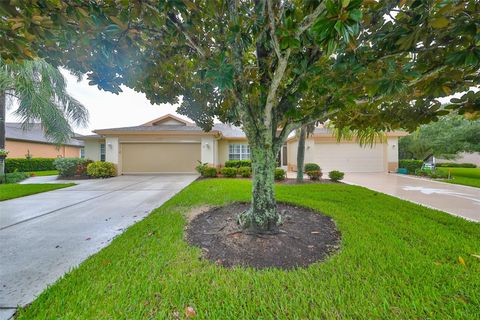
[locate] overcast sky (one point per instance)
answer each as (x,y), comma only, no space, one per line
(108,110)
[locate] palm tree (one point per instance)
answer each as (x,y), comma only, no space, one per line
(40,90)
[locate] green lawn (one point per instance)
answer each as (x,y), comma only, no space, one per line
(398,260)
(464,176)
(11,191)
(44,173)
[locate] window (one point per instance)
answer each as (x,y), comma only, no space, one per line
(82,153)
(238,152)
(102,151)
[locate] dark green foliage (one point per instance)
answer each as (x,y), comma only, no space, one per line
(68,167)
(229,172)
(410,165)
(245,172)
(280,174)
(32,164)
(311,167)
(238,163)
(336,175)
(456,165)
(14,177)
(210,172)
(314,174)
(101,169)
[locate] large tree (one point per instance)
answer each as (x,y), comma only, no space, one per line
(38,92)
(269,66)
(445,138)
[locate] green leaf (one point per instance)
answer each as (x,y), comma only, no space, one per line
(439,23)
(356,15)
(345,3)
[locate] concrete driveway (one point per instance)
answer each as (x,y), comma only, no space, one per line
(43,236)
(455,199)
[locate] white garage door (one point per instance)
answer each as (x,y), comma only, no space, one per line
(159,157)
(350,157)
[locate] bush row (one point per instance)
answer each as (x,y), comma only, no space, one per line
(456,165)
(238,163)
(26,165)
(70,167)
(410,165)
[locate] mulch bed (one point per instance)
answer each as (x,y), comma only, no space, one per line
(305,237)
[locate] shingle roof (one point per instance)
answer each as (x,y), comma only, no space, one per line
(33,133)
(228,131)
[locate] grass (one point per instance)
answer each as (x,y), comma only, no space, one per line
(12,191)
(464,176)
(43,173)
(398,261)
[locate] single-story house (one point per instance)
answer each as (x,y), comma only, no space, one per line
(32,142)
(172,144)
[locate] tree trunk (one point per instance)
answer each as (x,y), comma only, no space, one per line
(262,217)
(301,154)
(3,107)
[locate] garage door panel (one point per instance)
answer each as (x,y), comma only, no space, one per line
(349,157)
(160,157)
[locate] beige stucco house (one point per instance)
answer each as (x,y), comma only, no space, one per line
(171,144)
(32,141)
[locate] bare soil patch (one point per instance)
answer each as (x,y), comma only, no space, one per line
(305,237)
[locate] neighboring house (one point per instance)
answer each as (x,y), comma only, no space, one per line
(464,157)
(20,143)
(171,144)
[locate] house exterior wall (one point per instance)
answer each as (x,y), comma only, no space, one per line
(111,149)
(208,150)
(19,149)
(223,149)
(92,149)
(392,154)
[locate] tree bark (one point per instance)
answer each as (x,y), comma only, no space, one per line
(262,217)
(301,154)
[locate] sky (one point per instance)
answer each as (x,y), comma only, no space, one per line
(108,110)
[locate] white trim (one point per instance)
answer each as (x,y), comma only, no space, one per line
(162,142)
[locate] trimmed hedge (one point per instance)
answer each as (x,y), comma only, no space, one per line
(238,163)
(14,177)
(229,172)
(336,175)
(455,165)
(245,172)
(314,174)
(101,169)
(27,165)
(280,174)
(209,172)
(410,165)
(311,167)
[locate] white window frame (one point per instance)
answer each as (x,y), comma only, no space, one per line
(82,152)
(103,152)
(238,151)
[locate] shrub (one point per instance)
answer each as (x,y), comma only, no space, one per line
(200,168)
(238,163)
(101,169)
(434,174)
(210,172)
(26,165)
(336,175)
(410,165)
(245,172)
(14,177)
(311,167)
(82,167)
(67,167)
(314,174)
(229,172)
(456,165)
(279,174)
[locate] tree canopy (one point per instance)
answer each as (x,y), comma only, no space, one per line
(269,66)
(445,138)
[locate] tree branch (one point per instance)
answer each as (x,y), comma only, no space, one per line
(190,40)
(310,19)
(276,44)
